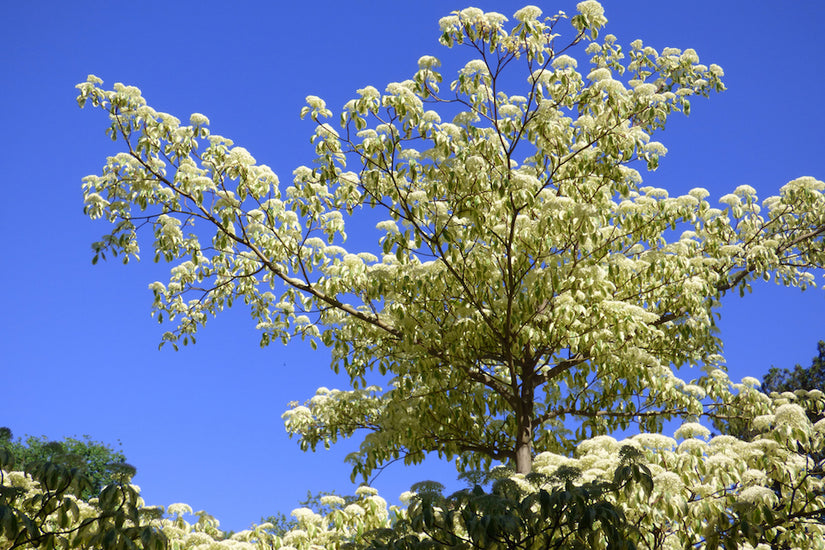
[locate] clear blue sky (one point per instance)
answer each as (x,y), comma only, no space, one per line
(78,351)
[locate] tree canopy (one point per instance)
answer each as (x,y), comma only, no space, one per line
(525,280)
(99,463)
(800,378)
(524,275)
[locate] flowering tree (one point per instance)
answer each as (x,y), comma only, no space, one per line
(524,277)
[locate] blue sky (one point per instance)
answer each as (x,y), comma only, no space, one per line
(78,351)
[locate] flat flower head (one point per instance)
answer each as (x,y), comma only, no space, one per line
(475,66)
(365,491)
(603,443)
(563,61)
(758,495)
(601,73)
(428,61)
(696,391)
(668,483)
(528,13)
(719,374)
(792,415)
(699,193)
(692,429)
(763,422)
(593,12)
(305,515)
(645,89)
(471,14)
(354,510)
(751,382)
(241,156)
(655,441)
(692,446)
(753,477)
(494,19)
(724,441)
(448,23)
(197,119)
(720,461)
(333,501)
(179,509)
(369,92)
(315,102)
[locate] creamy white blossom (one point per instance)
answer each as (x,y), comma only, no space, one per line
(197,119)
(692,429)
(564,61)
(528,13)
(427,62)
(792,415)
(756,494)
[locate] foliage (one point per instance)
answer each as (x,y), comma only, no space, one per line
(99,462)
(810,378)
(723,493)
(733,418)
(45,507)
(799,381)
(526,278)
(525,281)
(281,523)
(533,511)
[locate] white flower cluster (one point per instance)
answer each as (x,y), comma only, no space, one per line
(428,62)
(593,13)
(527,13)
(690,430)
(197,119)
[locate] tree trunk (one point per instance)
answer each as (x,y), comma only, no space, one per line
(524,457)
(524,438)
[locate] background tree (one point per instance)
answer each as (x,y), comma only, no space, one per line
(99,462)
(800,378)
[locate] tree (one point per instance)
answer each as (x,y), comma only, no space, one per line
(810,378)
(525,279)
(97,461)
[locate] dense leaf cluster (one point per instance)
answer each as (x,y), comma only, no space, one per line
(43,507)
(541,511)
(800,378)
(99,462)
